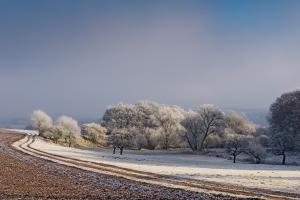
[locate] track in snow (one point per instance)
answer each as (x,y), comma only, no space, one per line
(152,178)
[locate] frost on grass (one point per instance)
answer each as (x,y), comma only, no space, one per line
(277,177)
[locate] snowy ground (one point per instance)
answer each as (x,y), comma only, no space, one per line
(25,176)
(274,177)
(28,132)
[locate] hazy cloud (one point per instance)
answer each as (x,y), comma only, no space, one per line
(78,58)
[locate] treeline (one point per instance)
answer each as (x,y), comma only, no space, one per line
(65,128)
(150,125)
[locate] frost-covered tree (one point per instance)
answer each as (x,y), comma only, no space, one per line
(256,151)
(41,121)
(263,135)
(120,138)
(284,119)
(239,124)
(284,116)
(139,140)
(147,113)
(199,124)
(56,133)
(282,142)
(120,120)
(169,118)
(192,134)
(94,132)
(235,146)
(120,116)
(212,120)
(147,123)
(70,128)
(264,140)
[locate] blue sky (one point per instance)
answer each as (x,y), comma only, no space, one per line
(77,57)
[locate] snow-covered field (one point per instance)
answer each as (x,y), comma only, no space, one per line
(274,177)
(28,132)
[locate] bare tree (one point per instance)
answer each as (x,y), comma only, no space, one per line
(235,146)
(200,124)
(192,133)
(282,142)
(212,120)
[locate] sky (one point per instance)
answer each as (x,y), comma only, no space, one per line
(78,57)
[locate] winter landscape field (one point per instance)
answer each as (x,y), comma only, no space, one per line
(274,177)
(184,166)
(152,99)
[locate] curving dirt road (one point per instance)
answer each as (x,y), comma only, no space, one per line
(151,178)
(24,176)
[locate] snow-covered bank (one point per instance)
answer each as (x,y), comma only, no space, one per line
(274,177)
(28,132)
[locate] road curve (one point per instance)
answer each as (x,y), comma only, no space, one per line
(24,145)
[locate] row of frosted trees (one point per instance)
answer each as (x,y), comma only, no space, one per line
(153,126)
(150,125)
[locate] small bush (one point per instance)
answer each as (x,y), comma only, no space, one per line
(94,133)
(256,151)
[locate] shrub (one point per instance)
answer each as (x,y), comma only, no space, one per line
(70,129)
(94,133)
(256,151)
(42,122)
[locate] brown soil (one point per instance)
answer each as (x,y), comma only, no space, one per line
(26,177)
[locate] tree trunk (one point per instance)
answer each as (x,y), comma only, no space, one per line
(283,158)
(166,145)
(191,143)
(202,142)
(257,160)
(114,151)
(69,141)
(121,150)
(149,142)
(234,158)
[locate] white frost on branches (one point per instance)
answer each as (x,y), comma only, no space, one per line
(41,121)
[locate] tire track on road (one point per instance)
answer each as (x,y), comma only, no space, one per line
(152,178)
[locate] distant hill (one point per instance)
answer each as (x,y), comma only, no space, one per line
(15,123)
(257,116)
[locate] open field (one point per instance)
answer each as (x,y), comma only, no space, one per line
(172,169)
(23,176)
(273,177)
